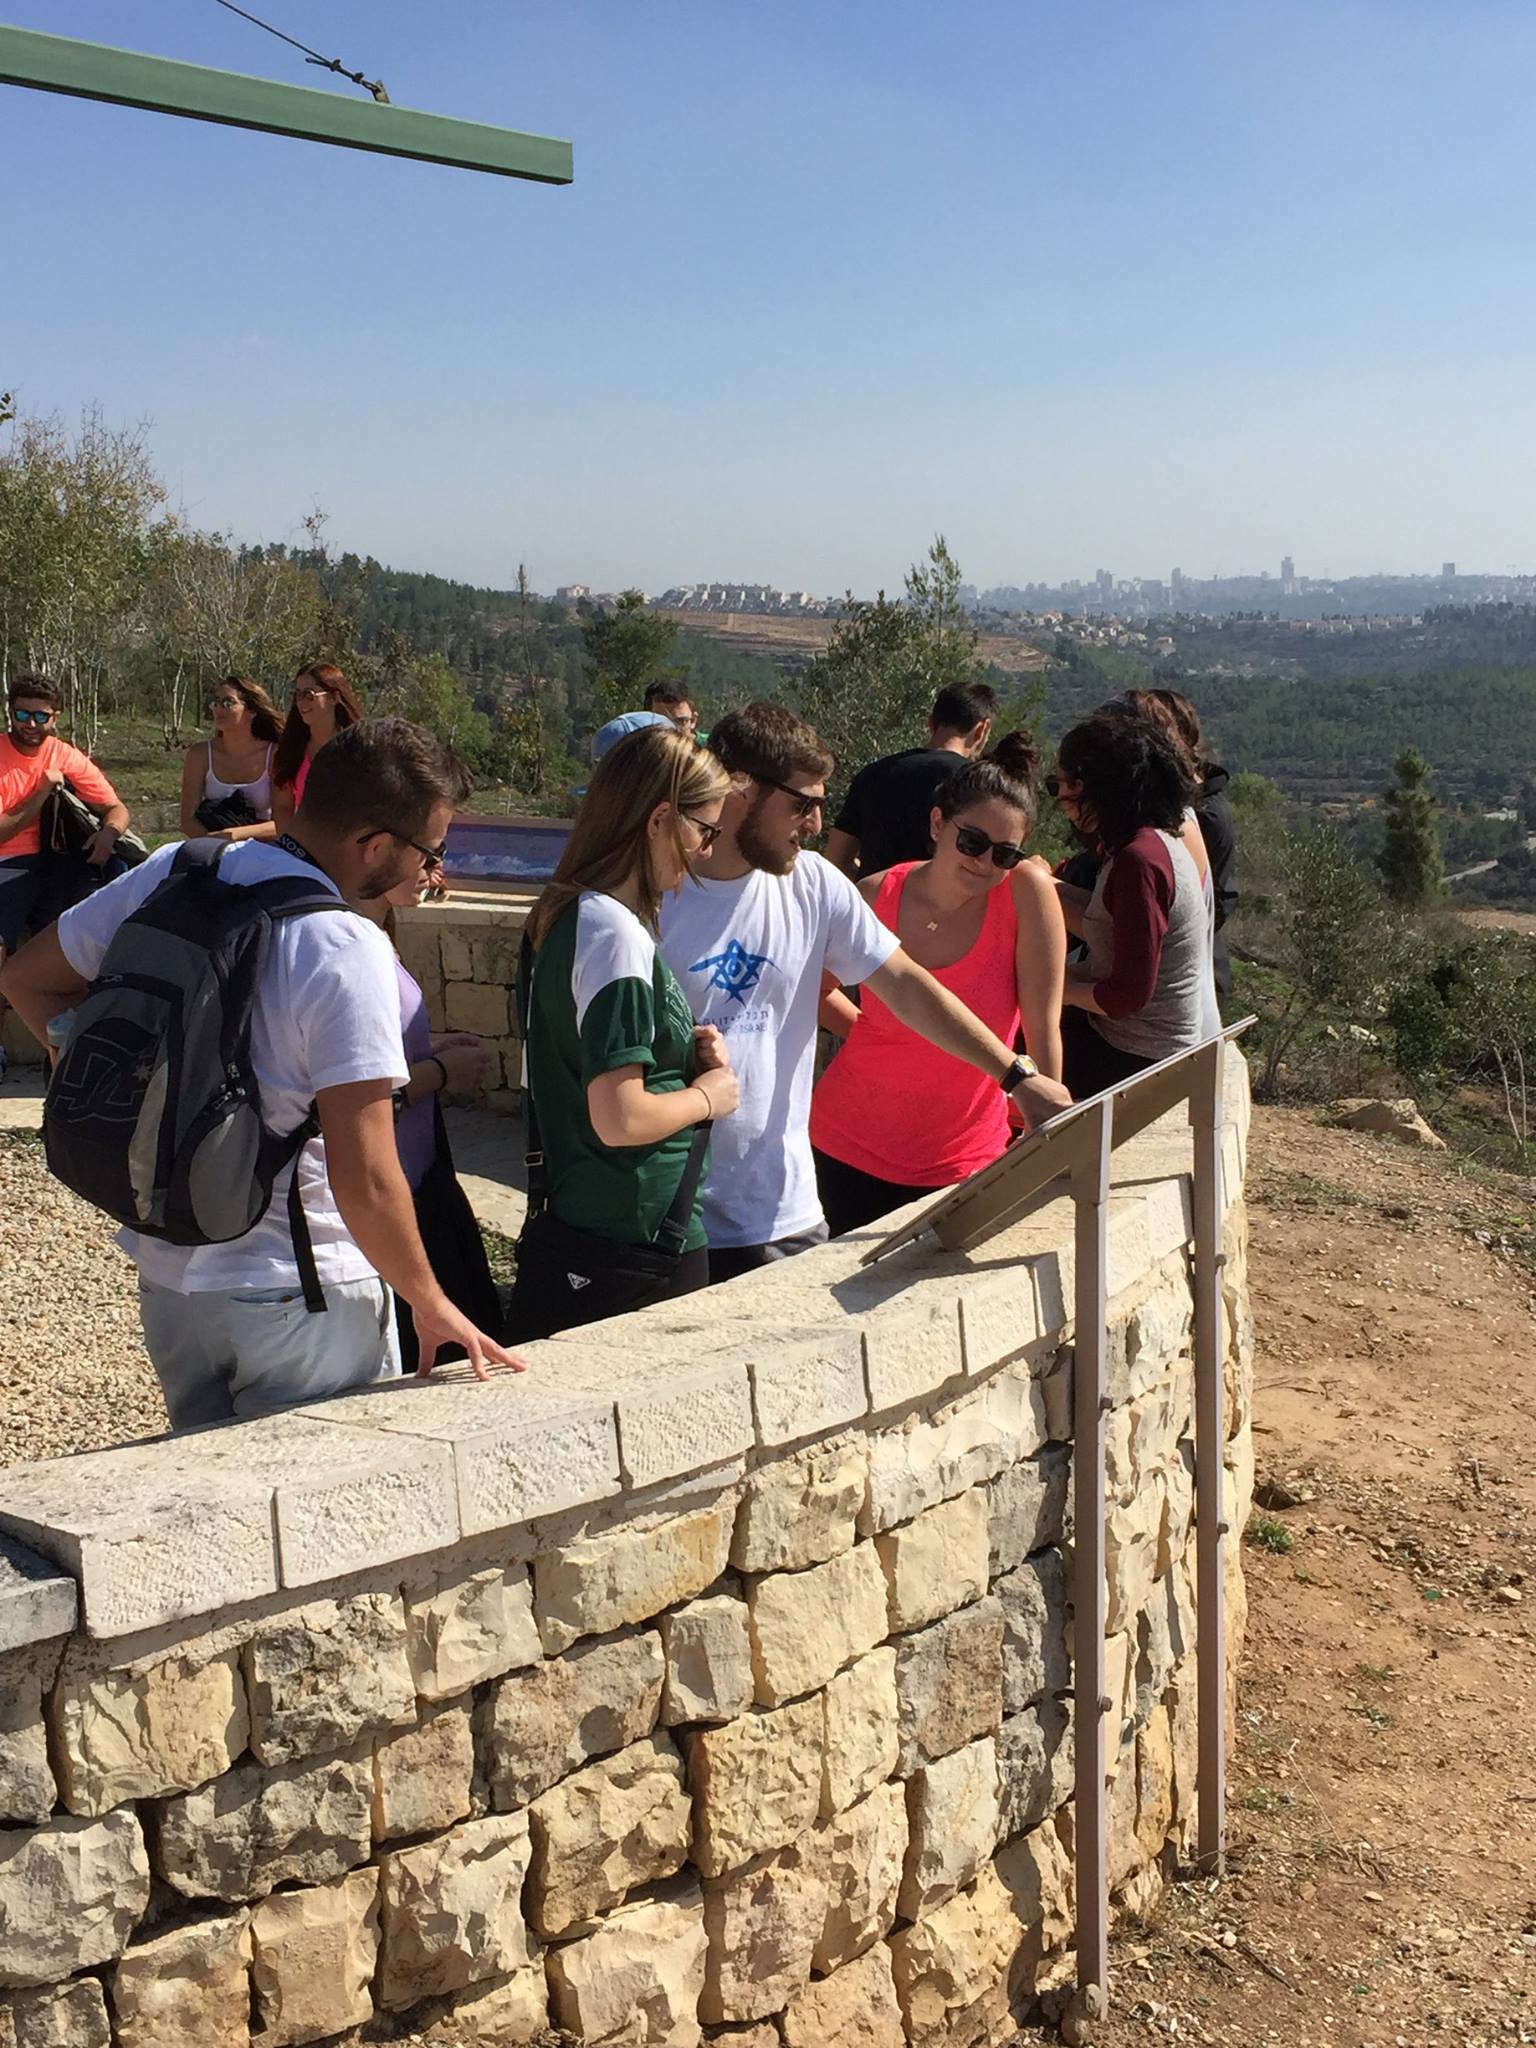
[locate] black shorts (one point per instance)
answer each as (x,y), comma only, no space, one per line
(21,897)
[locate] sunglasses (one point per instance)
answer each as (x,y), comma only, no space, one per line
(974,844)
(804,805)
(432,855)
(1052,787)
(30,717)
(226,704)
(708,833)
(308,696)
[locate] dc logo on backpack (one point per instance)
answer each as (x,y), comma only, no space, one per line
(153,1112)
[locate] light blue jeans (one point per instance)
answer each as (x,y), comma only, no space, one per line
(249,1352)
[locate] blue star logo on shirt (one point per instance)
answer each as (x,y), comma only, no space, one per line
(735,972)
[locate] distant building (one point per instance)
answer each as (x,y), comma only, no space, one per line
(1287,577)
(572,593)
(1447,571)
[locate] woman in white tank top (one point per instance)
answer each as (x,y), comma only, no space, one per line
(233,770)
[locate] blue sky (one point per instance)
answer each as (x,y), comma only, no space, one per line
(1112,285)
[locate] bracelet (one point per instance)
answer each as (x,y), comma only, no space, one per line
(709,1108)
(437,1061)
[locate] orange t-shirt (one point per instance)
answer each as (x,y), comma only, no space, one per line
(20,774)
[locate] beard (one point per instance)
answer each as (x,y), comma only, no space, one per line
(757,850)
(398,872)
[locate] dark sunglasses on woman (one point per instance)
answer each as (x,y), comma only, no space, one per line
(974,844)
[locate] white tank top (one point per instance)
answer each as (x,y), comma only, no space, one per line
(258,794)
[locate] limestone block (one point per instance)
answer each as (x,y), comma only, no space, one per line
(551,1719)
(1027,1508)
(1034,1766)
(62,2016)
(628,1574)
(461,1629)
(495,956)
(450,1910)
(800,1510)
(937,1563)
(27,1789)
(856,2008)
(518,1446)
(861,1855)
(952,1813)
(1057,1389)
(949,1684)
(1148,1331)
(596,1835)
(71,1895)
(1160,1419)
(1154,1784)
(255,1828)
(421,1775)
(313,1959)
(508,2012)
(807,1625)
(1119,1687)
(1238,1484)
(709,1661)
(1036,1657)
(757,1784)
(677,1414)
(999,1316)
(470,1007)
(136,1734)
(1037,1872)
(455,956)
(973,1438)
(762,2034)
(1131,1535)
(1178,1494)
(190,1988)
(635,1981)
(909,1349)
(805,1382)
(952,1967)
(1120,1816)
(862,1731)
(326,1674)
(37,1602)
(763,1924)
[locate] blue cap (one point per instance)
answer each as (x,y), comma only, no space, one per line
(620,728)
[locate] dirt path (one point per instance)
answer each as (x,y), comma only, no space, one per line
(1382,1885)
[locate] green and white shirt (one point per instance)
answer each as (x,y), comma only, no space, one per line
(602,998)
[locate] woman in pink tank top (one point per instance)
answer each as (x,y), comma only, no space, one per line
(893,1117)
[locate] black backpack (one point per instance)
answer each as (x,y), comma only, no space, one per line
(153,1112)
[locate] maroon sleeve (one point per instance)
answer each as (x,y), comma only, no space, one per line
(1138,896)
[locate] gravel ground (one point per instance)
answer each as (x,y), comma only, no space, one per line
(73,1374)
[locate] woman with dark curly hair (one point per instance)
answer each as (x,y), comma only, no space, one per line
(1143,992)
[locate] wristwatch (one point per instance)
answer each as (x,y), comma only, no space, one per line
(1023,1069)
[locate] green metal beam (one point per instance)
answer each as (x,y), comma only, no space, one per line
(126,78)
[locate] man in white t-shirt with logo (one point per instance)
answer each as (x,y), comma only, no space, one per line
(750,945)
(226,1325)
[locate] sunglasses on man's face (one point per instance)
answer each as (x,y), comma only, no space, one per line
(974,844)
(804,804)
(29,717)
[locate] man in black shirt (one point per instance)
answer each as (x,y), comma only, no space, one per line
(885,817)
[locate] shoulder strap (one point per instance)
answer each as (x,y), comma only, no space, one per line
(673,1233)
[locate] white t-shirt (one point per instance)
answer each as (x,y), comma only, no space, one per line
(750,956)
(327,1011)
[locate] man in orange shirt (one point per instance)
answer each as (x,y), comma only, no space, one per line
(34,762)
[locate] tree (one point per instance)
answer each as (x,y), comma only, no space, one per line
(221,611)
(1339,949)
(625,651)
(1411,859)
(871,691)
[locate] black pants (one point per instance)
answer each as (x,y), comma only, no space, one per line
(853,1198)
(562,1283)
(1090,1064)
(456,1251)
(727,1261)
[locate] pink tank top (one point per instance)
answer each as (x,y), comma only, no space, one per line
(895,1106)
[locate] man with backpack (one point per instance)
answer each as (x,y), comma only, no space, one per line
(225,996)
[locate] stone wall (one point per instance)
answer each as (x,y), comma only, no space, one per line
(709,1681)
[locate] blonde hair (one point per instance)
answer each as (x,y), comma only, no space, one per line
(609,841)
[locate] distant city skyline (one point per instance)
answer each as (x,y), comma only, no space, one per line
(828,281)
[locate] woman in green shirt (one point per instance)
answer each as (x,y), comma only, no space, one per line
(619,1076)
